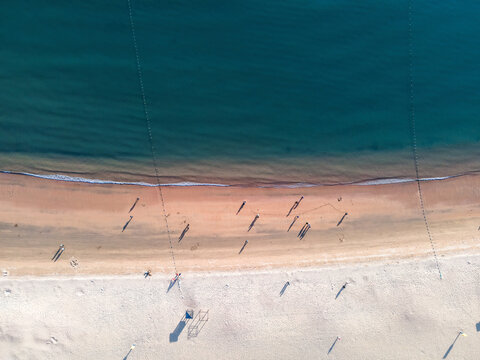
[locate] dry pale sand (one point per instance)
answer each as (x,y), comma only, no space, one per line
(395,310)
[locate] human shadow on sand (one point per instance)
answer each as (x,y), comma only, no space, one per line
(284,287)
(181,325)
(340,291)
(451,346)
(172,282)
(129,351)
(178,330)
(333,345)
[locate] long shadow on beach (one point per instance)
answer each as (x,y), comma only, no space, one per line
(284,288)
(126,356)
(451,346)
(178,330)
(54,256)
(171,285)
(339,292)
(333,345)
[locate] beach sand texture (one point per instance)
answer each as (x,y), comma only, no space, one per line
(383,221)
(94,302)
(394,310)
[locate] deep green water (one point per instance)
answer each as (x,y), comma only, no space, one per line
(241,81)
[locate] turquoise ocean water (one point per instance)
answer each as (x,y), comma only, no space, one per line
(300,91)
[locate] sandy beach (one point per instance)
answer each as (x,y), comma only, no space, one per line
(275,180)
(390,310)
(383,222)
(95,303)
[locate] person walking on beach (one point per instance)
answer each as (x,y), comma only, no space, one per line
(131,348)
(297,202)
(241,207)
(243,247)
(253,222)
(173,281)
(59,252)
(333,345)
(133,206)
(341,289)
(295,205)
(126,224)
(62,249)
(291,209)
(284,288)
(184,232)
(303,230)
(54,256)
(302,235)
(306,230)
(293,222)
(341,220)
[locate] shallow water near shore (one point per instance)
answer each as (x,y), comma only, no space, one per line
(246,92)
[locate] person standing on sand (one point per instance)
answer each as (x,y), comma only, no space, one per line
(133,206)
(241,207)
(253,222)
(305,231)
(341,220)
(284,288)
(243,247)
(333,345)
(184,232)
(295,205)
(293,222)
(301,230)
(58,251)
(297,202)
(291,209)
(126,224)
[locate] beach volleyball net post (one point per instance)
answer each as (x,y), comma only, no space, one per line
(198,323)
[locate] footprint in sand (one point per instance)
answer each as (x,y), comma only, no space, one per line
(52,340)
(57,290)
(7,292)
(80,292)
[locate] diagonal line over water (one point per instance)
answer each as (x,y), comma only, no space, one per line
(149,128)
(413,129)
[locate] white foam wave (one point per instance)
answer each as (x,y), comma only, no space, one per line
(59,177)
(398,181)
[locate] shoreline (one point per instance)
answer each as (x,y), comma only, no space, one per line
(326,170)
(364,182)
